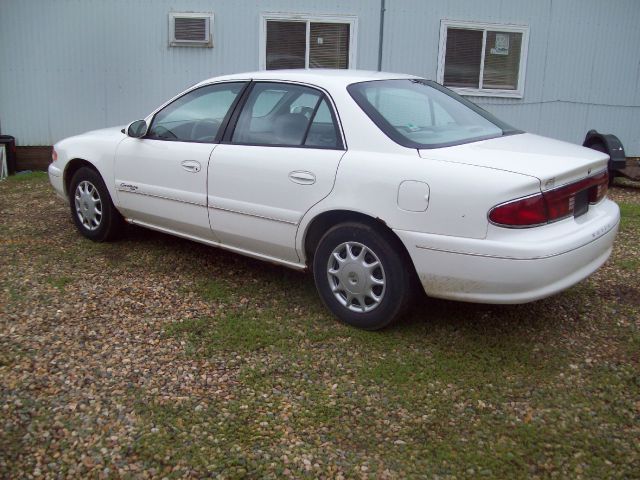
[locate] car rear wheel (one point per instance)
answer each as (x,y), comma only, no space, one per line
(91,207)
(362,276)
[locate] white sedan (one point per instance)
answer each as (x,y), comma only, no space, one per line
(376,182)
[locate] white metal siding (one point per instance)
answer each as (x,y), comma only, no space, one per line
(67,66)
(583,64)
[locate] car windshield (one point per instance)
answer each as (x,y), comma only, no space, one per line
(422,114)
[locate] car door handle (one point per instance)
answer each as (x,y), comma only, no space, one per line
(191,166)
(302,177)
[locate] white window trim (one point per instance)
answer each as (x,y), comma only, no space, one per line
(485,92)
(188,43)
(352,20)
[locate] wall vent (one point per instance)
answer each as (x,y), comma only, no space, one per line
(190,29)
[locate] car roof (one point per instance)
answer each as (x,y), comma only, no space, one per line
(326,78)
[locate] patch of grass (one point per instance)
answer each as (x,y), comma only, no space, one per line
(27,177)
(630,214)
(59,282)
(234,332)
(215,291)
(179,431)
(631,264)
(245,331)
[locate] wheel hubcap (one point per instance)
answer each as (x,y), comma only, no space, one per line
(356,276)
(88,205)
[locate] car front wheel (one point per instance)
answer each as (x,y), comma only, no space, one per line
(91,207)
(362,275)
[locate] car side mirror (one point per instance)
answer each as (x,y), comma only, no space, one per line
(137,129)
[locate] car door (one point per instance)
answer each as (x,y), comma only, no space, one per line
(161,179)
(278,158)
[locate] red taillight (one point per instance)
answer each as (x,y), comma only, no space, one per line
(551,205)
(525,212)
(54,155)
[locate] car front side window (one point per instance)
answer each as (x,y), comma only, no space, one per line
(197,115)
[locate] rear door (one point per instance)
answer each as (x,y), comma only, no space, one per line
(278,159)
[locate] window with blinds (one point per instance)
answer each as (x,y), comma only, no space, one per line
(329,45)
(305,43)
(482,59)
(286,44)
(464,54)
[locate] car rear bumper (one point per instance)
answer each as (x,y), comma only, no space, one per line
(56,180)
(514,266)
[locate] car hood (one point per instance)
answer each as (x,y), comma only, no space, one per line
(115,132)
(551,161)
(102,135)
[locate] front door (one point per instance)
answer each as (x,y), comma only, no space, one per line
(161,179)
(279,160)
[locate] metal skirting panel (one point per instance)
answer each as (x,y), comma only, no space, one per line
(33,158)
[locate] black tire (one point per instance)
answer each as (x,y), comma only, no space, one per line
(395,296)
(601,147)
(97,227)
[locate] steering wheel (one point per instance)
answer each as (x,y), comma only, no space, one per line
(204,130)
(415,129)
(163,132)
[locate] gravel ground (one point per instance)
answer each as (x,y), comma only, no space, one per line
(156,357)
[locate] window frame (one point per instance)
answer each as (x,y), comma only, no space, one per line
(309,18)
(239,107)
(484,27)
(173,42)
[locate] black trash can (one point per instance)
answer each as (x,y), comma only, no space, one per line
(10,151)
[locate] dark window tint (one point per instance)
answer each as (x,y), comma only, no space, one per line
(286,44)
(462,61)
(196,116)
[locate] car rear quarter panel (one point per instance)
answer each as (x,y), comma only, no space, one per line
(460,195)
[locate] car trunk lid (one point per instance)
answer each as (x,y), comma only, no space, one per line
(552,162)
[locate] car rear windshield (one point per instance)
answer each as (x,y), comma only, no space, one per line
(419,113)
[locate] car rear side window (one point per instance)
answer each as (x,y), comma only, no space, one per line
(197,115)
(323,131)
(301,117)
